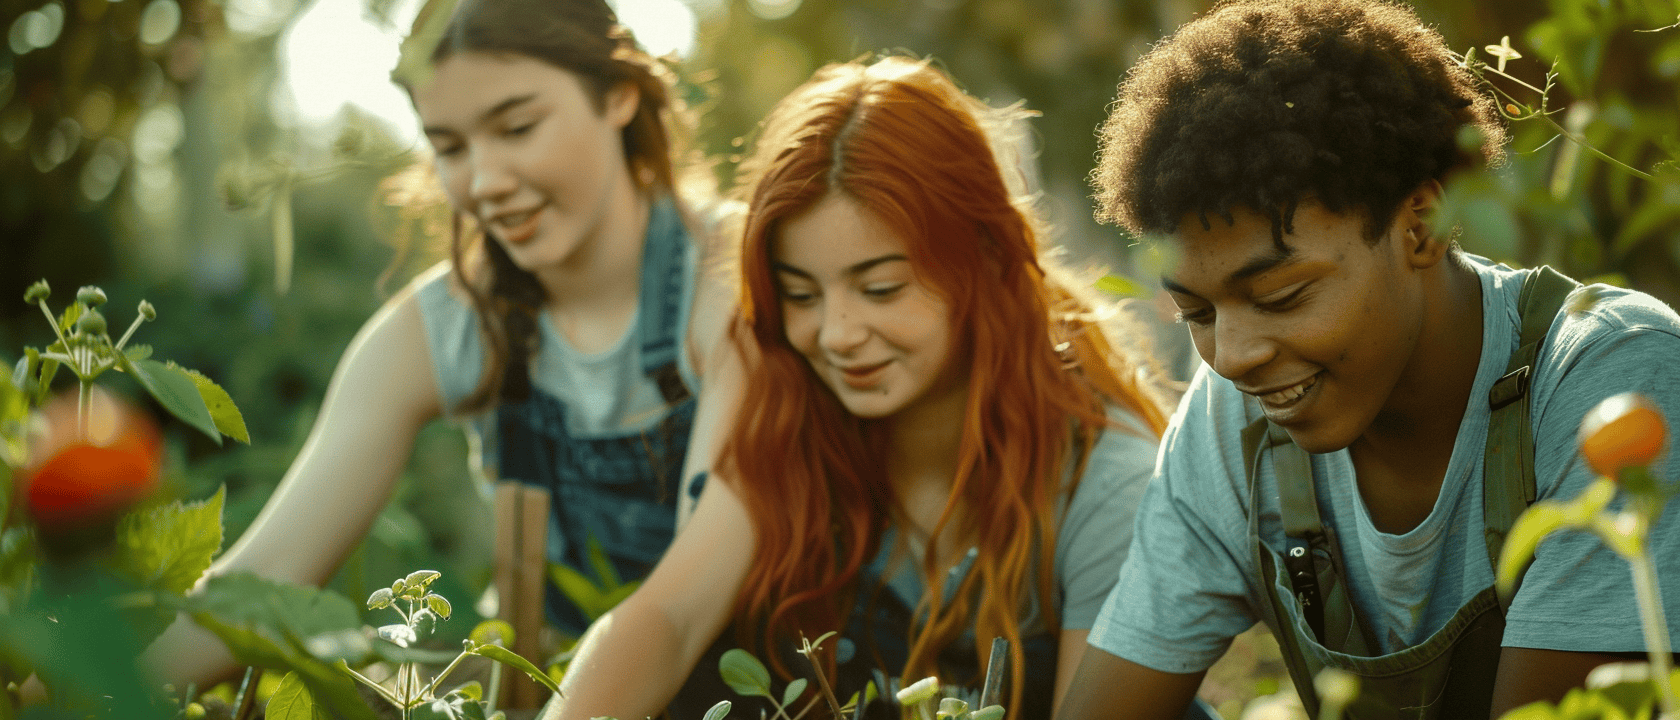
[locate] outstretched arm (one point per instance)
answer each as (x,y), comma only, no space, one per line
(381,394)
(635,658)
(1106,686)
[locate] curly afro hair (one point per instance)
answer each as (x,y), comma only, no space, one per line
(1265,103)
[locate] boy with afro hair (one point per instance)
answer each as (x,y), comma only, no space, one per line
(1376,405)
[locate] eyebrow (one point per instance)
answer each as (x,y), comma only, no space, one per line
(487,115)
(852,271)
(1256,266)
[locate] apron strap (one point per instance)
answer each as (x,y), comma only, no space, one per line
(1508,485)
(660,299)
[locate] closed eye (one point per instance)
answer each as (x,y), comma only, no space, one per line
(1285,303)
(1198,317)
(883,291)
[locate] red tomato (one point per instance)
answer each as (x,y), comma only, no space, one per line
(87,481)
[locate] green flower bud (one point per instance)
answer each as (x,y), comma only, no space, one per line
(147,311)
(920,690)
(90,296)
(38,292)
(91,323)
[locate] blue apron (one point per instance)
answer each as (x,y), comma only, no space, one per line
(618,492)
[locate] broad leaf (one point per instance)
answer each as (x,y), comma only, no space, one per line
(168,548)
(270,625)
(793,691)
(745,674)
(291,701)
(509,658)
(176,390)
(454,706)
(221,407)
(578,588)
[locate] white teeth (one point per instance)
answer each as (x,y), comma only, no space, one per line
(1289,394)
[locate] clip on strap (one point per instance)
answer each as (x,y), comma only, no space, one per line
(1298,561)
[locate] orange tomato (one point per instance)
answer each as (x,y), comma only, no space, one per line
(1623,431)
(78,480)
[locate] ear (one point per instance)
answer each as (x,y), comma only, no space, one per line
(1413,224)
(621,104)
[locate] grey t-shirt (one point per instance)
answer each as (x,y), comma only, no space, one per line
(1189,584)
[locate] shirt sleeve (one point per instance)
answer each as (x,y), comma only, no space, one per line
(1182,593)
(1096,530)
(1628,345)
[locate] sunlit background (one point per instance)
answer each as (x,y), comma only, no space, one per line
(248,167)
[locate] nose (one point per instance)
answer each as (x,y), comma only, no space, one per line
(1239,347)
(843,329)
(490,178)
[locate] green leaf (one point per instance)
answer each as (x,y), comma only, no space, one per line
(793,691)
(744,674)
(454,706)
(168,548)
(222,410)
(578,588)
(178,392)
(508,657)
(291,701)
(1538,521)
(420,580)
(604,571)
(136,353)
(437,604)
(719,711)
(1120,285)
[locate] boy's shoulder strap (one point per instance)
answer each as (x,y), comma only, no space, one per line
(1508,461)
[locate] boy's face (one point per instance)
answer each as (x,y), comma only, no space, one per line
(1320,333)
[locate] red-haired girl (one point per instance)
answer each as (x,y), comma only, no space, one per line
(937,443)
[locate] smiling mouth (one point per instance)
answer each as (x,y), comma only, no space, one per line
(862,376)
(516,227)
(1290,395)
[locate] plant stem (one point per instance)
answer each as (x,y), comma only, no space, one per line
(1656,628)
(84,409)
(54,323)
(376,686)
(432,689)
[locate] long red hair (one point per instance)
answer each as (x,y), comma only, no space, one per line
(900,139)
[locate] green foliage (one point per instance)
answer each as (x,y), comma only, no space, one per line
(167,549)
(292,701)
(593,596)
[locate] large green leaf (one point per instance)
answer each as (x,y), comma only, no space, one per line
(745,674)
(278,626)
(222,410)
(168,548)
(175,388)
(508,657)
(292,701)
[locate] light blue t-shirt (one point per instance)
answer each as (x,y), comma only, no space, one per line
(1189,584)
(606,394)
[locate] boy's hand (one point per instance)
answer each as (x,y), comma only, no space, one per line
(1106,686)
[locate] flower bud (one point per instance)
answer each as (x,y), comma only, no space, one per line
(1624,431)
(147,311)
(91,322)
(38,292)
(918,691)
(90,296)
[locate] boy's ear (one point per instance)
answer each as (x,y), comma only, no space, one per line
(1415,224)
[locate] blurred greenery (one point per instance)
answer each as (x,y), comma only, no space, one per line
(134,156)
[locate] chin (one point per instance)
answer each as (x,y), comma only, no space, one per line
(1320,440)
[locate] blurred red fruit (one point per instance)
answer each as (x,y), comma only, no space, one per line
(82,482)
(1623,431)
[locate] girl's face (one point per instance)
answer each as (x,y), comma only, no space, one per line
(853,306)
(522,148)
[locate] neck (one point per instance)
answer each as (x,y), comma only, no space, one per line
(925,439)
(1419,426)
(605,271)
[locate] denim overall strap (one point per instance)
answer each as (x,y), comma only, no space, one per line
(613,498)
(664,255)
(1510,444)
(1454,669)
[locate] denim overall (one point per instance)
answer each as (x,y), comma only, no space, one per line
(618,492)
(1451,673)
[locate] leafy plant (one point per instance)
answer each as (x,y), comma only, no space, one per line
(414,697)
